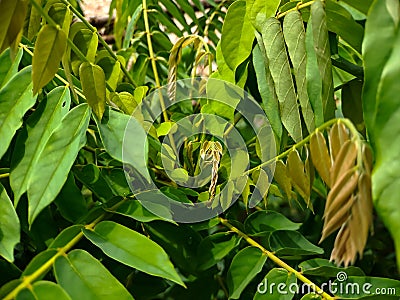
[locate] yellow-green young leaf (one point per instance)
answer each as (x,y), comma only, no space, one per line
(94,87)
(12,16)
(322,50)
(9,226)
(32,25)
(49,49)
(320,156)
(282,76)
(293,31)
(125,101)
(282,178)
(258,10)
(60,13)
(300,181)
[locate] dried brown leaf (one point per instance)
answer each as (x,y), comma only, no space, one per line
(320,156)
(367,158)
(338,135)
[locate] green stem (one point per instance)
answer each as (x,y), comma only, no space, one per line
(298,6)
(101,40)
(5,175)
(298,145)
(277,260)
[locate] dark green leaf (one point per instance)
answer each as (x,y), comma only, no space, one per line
(352,102)
(12,15)
(9,226)
(15,99)
(292,243)
(246,264)
(260,223)
(278,284)
(84,277)
(38,261)
(133,249)
(50,46)
(324,268)
(135,210)
(56,159)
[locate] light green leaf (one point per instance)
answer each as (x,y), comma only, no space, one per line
(294,33)
(84,277)
(292,243)
(12,16)
(322,50)
(261,222)
(56,159)
(43,290)
(246,264)
(9,226)
(94,87)
(276,285)
(266,88)
(46,118)
(9,65)
(311,296)
(237,35)
(260,10)
(50,46)
(133,249)
(15,99)
(280,70)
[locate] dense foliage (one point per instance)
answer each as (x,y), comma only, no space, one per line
(288,152)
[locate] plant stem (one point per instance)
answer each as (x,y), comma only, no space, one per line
(5,175)
(277,260)
(299,6)
(298,145)
(29,279)
(101,40)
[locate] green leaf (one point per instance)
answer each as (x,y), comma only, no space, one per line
(313,77)
(361,5)
(260,9)
(9,226)
(237,36)
(15,99)
(133,249)
(56,159)
(278,284)
(214,248)
(123,134)
(266,88)
(38,261)
(84,277)
(246,264)
(43,290)
(292,243)
(340,21)
(135,210)
(40,125)
(325,268)
(294,33)
(94,87)
(311,296)
(65,236)
(352,102)
(9,65)
(280,70)
(261,222)
(322,50)
(12,15)
(358,287)
(50,46)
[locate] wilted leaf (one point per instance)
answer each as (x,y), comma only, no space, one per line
(295,170)
(320,156)
(338,135)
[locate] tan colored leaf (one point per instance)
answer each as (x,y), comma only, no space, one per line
(338,135)
(345,160)
(282,178)
(300,181)
(367,158)
(320,156)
